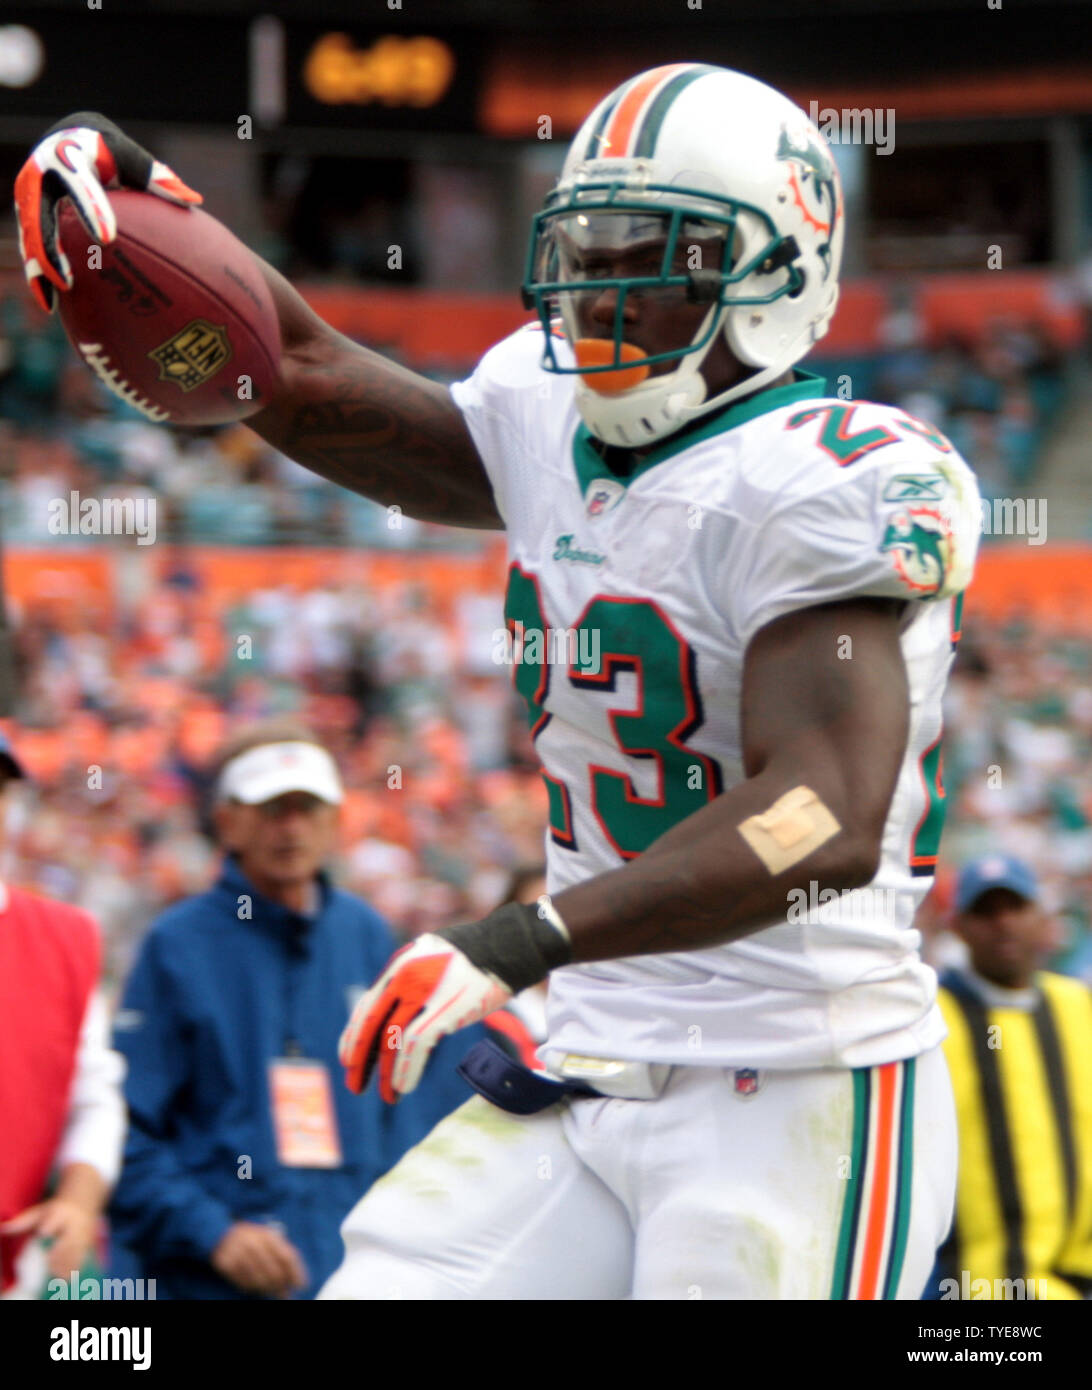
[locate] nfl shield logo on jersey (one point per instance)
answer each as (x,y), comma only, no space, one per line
(602,495)
(746,1081)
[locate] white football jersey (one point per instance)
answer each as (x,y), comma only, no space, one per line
(631,602)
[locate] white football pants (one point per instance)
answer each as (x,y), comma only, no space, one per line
(819,1184)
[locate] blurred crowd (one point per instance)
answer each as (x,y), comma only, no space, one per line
(61,431)
(122,707)
(1017,771)
(993,394)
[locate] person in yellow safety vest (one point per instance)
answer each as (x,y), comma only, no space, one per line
(1019,1049)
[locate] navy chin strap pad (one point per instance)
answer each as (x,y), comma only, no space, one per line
(512,1086)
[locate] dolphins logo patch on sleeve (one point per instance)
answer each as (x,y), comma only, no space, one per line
(920,543)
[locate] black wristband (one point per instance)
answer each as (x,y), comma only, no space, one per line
(514,943)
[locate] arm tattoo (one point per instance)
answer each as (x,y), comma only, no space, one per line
(380,430)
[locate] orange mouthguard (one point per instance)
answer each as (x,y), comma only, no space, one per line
(597,352)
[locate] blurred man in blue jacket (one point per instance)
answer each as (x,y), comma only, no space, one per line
(245,1148)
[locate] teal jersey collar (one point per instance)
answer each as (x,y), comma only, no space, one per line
(590,464)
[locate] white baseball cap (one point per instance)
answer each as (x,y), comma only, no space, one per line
(272,769)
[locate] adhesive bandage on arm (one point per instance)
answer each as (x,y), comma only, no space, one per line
(795,825)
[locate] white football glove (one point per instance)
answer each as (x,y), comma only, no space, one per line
(442,982)
(428,990)
(81,157)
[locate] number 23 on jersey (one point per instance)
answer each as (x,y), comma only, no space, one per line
(611,636)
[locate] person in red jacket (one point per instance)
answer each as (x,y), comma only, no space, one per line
(61,1109)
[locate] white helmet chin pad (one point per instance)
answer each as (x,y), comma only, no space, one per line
(651,411)
(642,415)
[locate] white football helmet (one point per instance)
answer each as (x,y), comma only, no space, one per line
(682,166)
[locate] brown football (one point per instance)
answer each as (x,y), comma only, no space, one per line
(174,316)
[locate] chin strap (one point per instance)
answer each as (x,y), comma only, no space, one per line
(745,387)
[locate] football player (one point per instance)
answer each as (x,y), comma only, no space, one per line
(758,589)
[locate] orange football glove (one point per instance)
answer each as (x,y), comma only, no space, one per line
(81,156)
(442,982)
(428,990)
